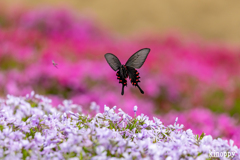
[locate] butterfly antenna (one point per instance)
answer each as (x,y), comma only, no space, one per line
(140,89)
(122,90)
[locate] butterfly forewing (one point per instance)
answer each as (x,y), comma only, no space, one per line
(138,58)
(113,61)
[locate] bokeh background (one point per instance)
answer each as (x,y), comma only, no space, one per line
(192,71)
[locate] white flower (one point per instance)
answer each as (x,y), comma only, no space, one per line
(106,108)
(135,108)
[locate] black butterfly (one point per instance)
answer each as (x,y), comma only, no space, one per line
(135,61)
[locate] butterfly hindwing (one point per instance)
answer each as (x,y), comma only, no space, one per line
(113,61)
(138,58)
(134,77)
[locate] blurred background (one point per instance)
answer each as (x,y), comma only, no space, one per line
(192,71)
(212,20)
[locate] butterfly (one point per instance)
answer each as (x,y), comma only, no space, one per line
(128,70)
(55,64)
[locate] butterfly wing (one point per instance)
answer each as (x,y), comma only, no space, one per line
(134,77)
(138,58)
(113,61)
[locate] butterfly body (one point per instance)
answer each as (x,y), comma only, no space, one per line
(122,77)
(123,72)
(128,70)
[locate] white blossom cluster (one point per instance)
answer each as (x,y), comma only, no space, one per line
(31,128)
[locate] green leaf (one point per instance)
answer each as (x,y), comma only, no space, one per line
(25,153)
(202,135)
(1,127)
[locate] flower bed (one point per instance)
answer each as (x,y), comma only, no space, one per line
(31,128)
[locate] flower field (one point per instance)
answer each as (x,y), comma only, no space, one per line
(194,80)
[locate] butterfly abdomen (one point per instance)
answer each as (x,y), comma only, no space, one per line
(122,75)
(121,78)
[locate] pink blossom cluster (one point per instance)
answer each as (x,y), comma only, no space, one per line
(178,74)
